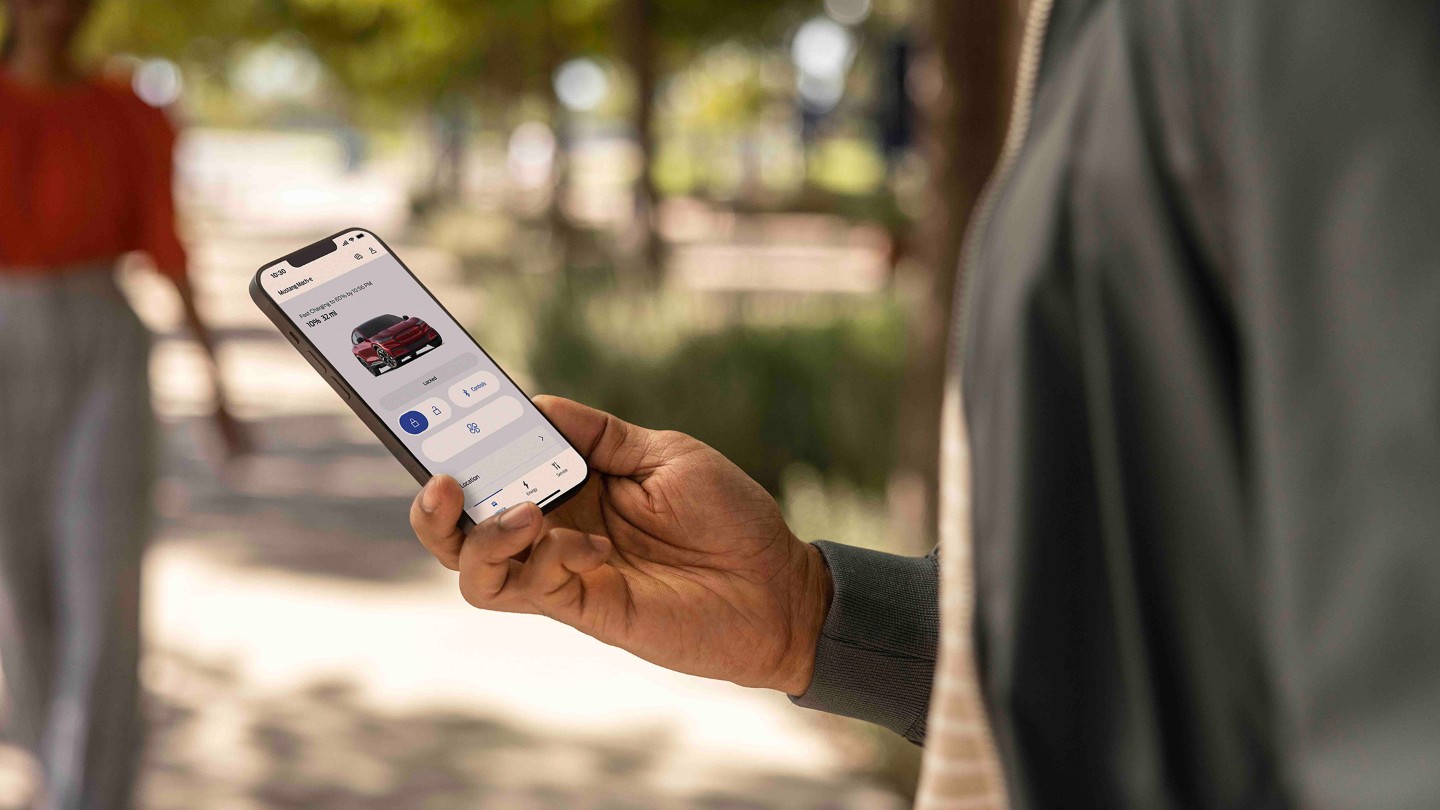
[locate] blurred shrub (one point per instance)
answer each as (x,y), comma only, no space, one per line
(833,509)
(823,395)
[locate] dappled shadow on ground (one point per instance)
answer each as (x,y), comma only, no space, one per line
(320,496)
(216,743)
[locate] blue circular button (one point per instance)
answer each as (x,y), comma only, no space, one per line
(414,422)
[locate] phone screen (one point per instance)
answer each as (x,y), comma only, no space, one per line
(422,375)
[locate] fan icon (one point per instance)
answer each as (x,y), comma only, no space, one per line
(473,428)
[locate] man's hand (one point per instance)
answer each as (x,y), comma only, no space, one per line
(670,552)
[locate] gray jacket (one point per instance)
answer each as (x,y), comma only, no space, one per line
(1202,376)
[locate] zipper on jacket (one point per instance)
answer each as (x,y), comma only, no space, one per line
(1037,21)
(1027,73)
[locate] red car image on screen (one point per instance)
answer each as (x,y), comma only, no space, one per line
(382,343)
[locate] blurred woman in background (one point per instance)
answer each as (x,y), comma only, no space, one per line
(85,178)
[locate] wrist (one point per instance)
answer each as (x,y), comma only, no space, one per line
(812,596)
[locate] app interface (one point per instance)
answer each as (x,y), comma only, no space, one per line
(424,376)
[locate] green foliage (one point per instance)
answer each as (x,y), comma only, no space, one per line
(167,27)
(696,23)
(721,87)
(409,53)
(399,53)
(849,166)
(768,397)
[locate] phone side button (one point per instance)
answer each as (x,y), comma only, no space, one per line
(294,338)
(339,387)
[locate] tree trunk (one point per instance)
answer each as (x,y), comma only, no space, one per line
(447,176)
(962,87)
(562,231)
(635,36)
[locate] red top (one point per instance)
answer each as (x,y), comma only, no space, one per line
(85,176)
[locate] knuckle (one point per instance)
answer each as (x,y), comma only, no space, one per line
(495,553)
(467,593)
(671,443)
(541,558)
(475,594)
(445,546)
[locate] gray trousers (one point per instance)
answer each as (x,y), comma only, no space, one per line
(76,432)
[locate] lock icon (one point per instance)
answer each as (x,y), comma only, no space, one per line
(414,422)
(435,409)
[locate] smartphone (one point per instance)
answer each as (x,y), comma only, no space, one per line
(414,376)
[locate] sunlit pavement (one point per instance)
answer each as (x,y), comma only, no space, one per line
(304,651)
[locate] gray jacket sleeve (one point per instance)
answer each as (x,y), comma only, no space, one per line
(876,657)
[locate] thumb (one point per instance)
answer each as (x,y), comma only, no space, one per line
(609,444)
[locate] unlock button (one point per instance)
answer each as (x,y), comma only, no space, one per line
(425,415)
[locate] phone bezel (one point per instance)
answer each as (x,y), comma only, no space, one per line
(352,397)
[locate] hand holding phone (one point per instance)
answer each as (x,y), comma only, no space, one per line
(414,376)
(675,555)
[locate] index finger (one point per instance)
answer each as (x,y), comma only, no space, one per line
(435,517)
(609,444)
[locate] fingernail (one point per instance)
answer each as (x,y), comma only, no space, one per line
(429,498)
(516,517)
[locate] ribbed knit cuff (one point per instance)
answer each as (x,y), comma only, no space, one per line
(876,657)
